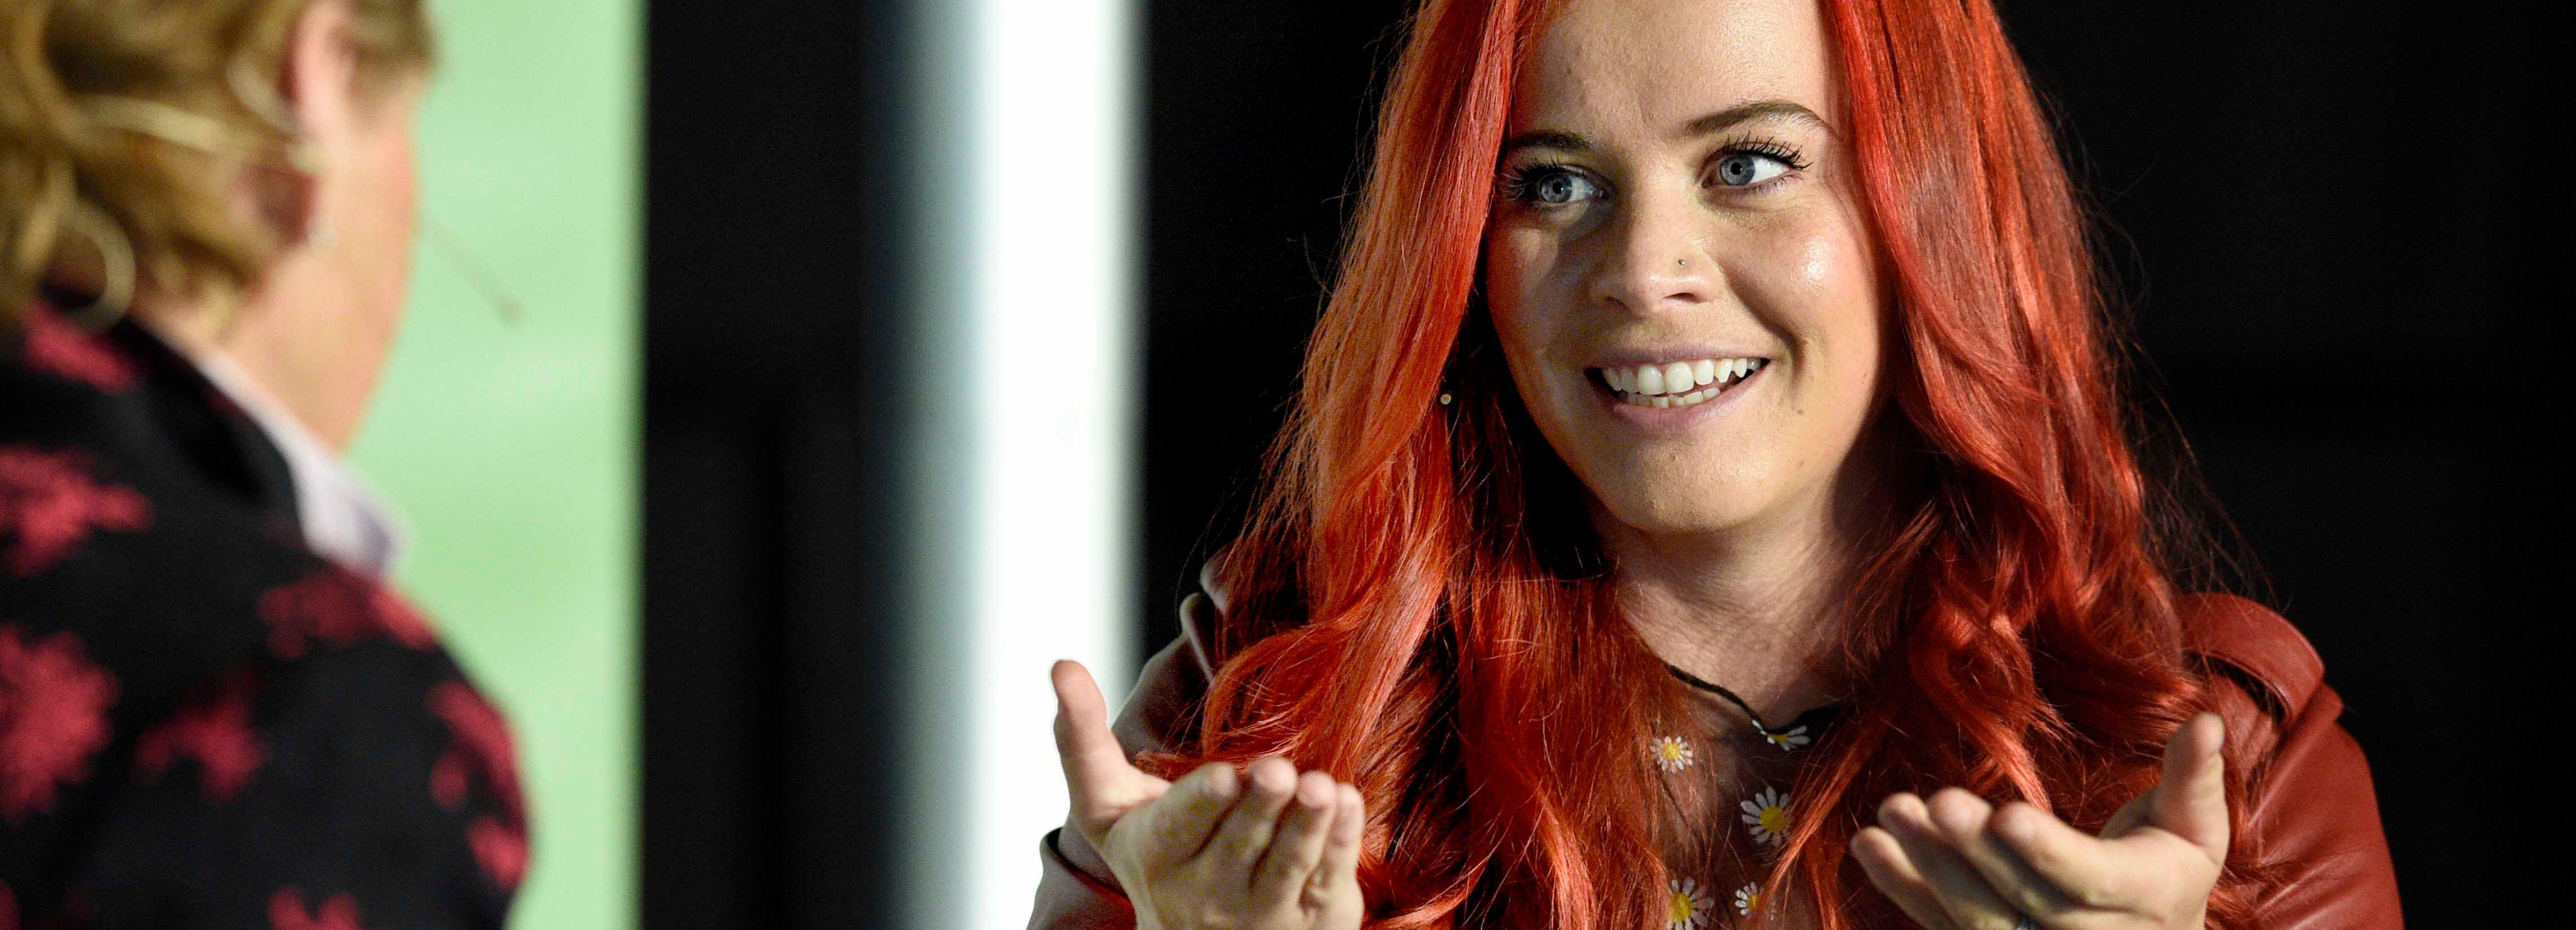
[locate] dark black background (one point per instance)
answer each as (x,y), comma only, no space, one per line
(2327,222)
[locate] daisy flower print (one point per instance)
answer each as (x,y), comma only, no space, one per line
(1767,815)
(1747,898)
(1791,738)
(1671,753)
(1692,908)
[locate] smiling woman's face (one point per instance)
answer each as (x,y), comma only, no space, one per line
(1677,266)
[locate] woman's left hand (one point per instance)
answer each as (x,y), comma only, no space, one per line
(1958,863)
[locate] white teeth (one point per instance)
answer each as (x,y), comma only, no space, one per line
(1671,384)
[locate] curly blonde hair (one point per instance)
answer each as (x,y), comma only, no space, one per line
(125,125)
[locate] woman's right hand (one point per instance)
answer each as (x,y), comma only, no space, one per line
(1269,849)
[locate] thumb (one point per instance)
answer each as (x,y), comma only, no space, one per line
(1103,785)
(2192,800)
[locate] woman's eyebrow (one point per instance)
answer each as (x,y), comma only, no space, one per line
(1720,121)
(1741,113)
(1548,139)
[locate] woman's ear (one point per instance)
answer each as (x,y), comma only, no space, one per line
(319,79)
(314,99)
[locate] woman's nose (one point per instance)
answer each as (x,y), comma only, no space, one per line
(1655,262)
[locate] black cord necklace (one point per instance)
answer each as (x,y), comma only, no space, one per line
(1775,736)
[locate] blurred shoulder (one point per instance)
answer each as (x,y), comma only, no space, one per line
(324,748)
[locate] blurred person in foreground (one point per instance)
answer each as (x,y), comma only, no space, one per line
(1710,503)
(213,711)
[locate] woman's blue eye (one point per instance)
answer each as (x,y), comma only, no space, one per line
(1745,169)
(1562,188)
(1557,186)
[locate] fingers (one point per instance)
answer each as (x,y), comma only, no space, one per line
(1888,868)
(1093,762)
(1261,837)
(2085,869)
(1298,847)
(1963,894)
(1245,834)
(1966,821)
(1184,822)
(2192,800)
(1341,861)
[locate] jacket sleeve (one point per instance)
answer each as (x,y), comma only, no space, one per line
(2312,834)
(1076,891)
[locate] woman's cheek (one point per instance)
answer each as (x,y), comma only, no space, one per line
(1821,295)
(1516,298)
(1512,257)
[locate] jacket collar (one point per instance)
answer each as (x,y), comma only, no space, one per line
(339,517)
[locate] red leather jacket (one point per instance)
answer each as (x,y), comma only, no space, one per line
(2314,826)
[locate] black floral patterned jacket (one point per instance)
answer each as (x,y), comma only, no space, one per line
(202,723)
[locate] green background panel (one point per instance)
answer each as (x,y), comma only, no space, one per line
(511,448)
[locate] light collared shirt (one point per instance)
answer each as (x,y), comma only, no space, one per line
(343,519)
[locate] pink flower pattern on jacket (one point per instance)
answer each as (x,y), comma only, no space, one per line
(284,670)
(53,718)
(482,749)
(58,348)
(215,731)
(336,607)
(49,503)
(286,912)
(502,849)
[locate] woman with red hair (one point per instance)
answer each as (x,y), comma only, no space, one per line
(1710,503)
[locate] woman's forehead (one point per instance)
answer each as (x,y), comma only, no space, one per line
(1649,68)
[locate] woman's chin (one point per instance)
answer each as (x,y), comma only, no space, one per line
(1687,518)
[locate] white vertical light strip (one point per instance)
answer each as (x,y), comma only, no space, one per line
(1047,376)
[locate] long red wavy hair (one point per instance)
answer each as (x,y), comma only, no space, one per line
(1418,607)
